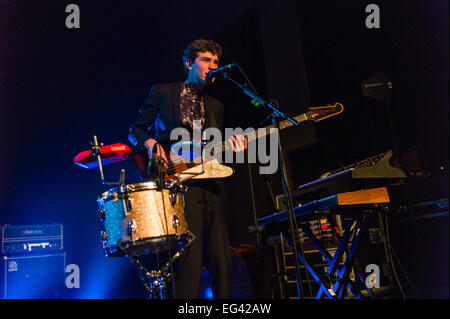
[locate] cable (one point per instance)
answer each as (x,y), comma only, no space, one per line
(420,246)
(404,272)
(161,163)
(389,254)
(275,102)
(247,79)
(398,260)
(252,193)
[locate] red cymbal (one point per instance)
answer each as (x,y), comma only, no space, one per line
(109,154)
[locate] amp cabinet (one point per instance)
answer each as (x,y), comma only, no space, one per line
(33,276)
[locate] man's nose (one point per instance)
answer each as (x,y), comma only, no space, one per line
(212,65)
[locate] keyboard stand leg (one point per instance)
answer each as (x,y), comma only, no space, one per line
(326,255)
(317,277)
(343,275)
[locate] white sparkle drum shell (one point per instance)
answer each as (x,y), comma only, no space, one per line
(140,220)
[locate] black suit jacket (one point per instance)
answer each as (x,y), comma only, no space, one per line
(159,115)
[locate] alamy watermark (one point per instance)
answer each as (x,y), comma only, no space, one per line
(73,19)
(373,279)
(373,19)
(73,277)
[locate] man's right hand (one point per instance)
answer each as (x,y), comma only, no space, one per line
(152,146)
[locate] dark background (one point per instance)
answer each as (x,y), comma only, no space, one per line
(59,87)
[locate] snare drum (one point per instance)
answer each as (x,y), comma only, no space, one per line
(139,219)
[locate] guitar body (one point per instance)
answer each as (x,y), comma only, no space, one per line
(210,169)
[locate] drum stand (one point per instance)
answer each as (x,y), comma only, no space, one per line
(156,281)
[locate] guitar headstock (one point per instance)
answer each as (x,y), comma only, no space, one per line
(320,113)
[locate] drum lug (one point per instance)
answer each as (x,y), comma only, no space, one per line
(104,235)
(131,227)
(128,207)
(173,199)
(182,200)
(101,212)
(175,221)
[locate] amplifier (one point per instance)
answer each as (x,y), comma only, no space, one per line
(19,239)
(38,276)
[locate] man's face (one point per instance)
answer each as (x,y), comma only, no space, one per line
(203,63)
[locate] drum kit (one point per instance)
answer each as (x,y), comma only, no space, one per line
(141,218)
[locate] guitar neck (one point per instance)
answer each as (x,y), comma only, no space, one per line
(255,134)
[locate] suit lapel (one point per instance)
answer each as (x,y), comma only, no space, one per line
(176,104)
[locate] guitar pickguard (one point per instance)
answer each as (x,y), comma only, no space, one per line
(209,169)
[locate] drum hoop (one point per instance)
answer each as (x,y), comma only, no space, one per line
(154,244)
(130,188)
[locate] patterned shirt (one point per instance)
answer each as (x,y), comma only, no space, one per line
(192,106)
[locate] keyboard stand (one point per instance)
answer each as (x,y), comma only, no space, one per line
(348,242)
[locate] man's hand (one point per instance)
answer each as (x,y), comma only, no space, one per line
(238,143)
(152,146)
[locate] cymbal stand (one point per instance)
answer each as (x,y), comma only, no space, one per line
(96,147)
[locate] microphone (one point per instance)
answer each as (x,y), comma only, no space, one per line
(213,73)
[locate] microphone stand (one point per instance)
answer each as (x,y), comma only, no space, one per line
(277,116)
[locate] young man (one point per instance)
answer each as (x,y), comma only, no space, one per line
(173,105)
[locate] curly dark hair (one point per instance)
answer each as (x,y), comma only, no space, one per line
(200,45)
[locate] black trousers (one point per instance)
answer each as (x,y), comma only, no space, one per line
(204,212)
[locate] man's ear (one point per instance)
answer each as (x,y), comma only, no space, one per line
(188,64)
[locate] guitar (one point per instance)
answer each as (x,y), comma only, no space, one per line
(200,165)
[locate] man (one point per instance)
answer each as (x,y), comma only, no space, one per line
(173,105)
